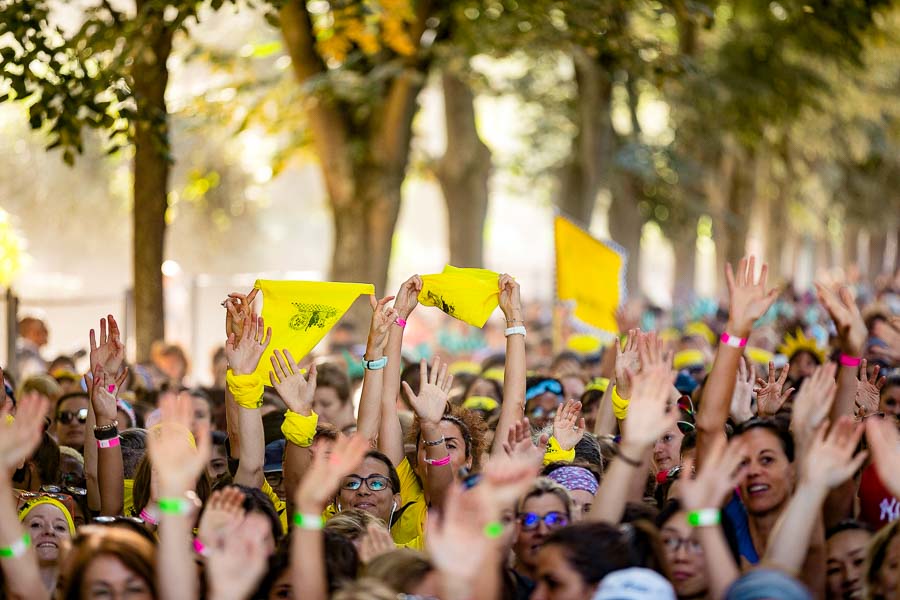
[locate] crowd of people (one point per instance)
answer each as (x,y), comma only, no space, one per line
(751,452)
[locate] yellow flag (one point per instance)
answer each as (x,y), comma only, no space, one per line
(300,313)
(590,272)
(470,295)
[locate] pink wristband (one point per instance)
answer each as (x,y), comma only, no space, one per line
(733,341)
(400,322)
(850,361)
(199,548)
(103,444)
(440,462)
(148,518)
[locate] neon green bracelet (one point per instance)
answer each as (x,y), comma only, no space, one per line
(705,517)
(17,548)
(493,530)
(309,522)
(174,506)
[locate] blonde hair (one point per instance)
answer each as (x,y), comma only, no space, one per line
(71,453)
(365,589)
(402,569)
(352,523)
(545,485)
(42,384)
(875,556)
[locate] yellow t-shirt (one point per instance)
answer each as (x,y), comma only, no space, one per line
(128,497)
(280,505)
(409,530)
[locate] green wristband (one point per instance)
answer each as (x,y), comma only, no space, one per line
(309,522)
(174,506)
(17,548)
(705,517)
(493,530)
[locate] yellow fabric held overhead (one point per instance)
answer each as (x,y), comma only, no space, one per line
(300,313)
(589,272)
(470,295)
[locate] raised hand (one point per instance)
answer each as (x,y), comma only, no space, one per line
(829,462)
(434,391)
(287,378)
(237,310)
(109,353)
(20,438)
(771,395)
(628,360)
(177,463)
(382,318)
(408,296)
(243,354)
(748,298)
(650,351)
(847,319)
(721,473)
(868,390)
(508,476)
(813,401)
(568,429)
(223,512)
(520,445)
(237,561)
(649,414)
(510,300)
(103,395)
(884,444)
(742,397)
(328,469)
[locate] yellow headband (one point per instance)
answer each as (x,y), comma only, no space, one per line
(495,374)
(464,366)
(759,356)
(584,344)
(597,383)
(485,403)
(698,328)
(30,506)
(689,358)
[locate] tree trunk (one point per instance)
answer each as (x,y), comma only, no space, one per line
(464,172)
(626,224)
(685,250)
(151,180)
(594,144)
(740,196)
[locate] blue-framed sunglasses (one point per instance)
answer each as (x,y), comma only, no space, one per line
(553,520)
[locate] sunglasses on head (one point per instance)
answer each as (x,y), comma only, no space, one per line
(375,483)
(548,385)
(66,416)
(71,490)
(553,520)
(685,426)
(24,499)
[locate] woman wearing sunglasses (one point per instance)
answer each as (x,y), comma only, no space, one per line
(545,508)
(71,415)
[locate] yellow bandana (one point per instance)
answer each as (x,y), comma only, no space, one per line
(298,429)
(246,389)
(300,313)
(470,295)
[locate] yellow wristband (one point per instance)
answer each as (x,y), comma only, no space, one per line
(298,429)
(620,404)
(556,454)
(246,389)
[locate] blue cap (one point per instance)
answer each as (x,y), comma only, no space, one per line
(274,456)
(767,584)
(685,384)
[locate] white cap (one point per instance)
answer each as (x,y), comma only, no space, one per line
(634,584)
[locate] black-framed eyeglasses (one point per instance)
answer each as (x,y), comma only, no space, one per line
(66,416)
(553,520)
(673,544)
(375,483)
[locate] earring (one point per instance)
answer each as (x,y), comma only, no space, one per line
(339,506)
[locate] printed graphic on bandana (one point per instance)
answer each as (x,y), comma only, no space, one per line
(469,295)
(440,303)
(312,315)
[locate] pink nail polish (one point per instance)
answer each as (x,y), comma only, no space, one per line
(111,388)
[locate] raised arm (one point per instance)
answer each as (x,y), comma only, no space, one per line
(390,434)
(316,491)
(177,465)
(238,308)
(705,494)
(243,357)
(300,421)
(798,541)
(429,405)
(110,468)
(513,407)
(18,440)
(748,301)
(852,334)
(649,415)
(383,317)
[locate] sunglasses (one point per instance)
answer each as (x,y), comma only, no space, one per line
(548,385)
(66,416)
(538,412)
(553,520)
(685,426)
(375,483)
(71,490)
(108,520)
(24,499)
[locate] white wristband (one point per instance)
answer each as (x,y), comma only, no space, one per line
(518,330)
